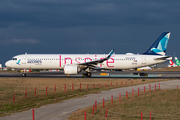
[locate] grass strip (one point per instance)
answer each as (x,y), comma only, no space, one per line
(8,86)
(163,104)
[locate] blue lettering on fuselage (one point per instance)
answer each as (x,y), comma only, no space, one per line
(34,61)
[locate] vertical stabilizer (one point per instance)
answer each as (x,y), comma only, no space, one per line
(171,62)
(177,61)
(160,45)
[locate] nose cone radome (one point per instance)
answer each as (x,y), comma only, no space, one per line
(8,64)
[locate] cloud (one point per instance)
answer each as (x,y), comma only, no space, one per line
(85,26)
(21,41)
(69,13)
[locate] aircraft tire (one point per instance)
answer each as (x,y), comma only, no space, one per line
(24,74)
(143,74)
(88,74)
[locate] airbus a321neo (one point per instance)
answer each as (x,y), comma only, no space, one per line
(75,63)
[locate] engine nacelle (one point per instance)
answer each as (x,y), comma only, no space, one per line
(71,69)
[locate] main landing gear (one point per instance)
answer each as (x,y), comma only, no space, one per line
(87,74)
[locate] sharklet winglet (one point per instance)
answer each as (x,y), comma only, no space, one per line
(110,53)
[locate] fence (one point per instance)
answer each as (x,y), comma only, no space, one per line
(59,90)
(75,87)
(106,112)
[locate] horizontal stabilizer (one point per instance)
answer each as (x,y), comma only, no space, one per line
(164,58)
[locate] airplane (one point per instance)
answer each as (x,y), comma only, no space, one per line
(171,64)
(75,63)
(177,61)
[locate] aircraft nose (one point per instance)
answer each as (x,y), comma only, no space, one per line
(7,64)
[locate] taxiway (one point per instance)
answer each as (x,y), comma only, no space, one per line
(116,74)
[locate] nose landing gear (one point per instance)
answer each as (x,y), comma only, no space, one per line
(24,74)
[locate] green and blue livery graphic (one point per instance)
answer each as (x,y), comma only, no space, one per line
(177,61)
(160,45)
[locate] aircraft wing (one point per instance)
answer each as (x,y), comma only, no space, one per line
(95,62)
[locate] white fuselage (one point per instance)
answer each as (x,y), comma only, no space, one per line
(57,61)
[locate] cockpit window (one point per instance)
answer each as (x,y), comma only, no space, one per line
(14,58)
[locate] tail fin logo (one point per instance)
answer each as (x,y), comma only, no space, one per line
(171,62)
(160,45)
(157,51)
(177,61)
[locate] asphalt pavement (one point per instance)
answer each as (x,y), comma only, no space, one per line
(115,74)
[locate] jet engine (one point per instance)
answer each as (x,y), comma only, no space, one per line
(71,69)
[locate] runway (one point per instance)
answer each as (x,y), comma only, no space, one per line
(63,110)
(116,74)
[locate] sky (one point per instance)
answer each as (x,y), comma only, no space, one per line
(86,26)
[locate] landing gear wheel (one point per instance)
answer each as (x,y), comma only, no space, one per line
(24,74)
(88,74)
